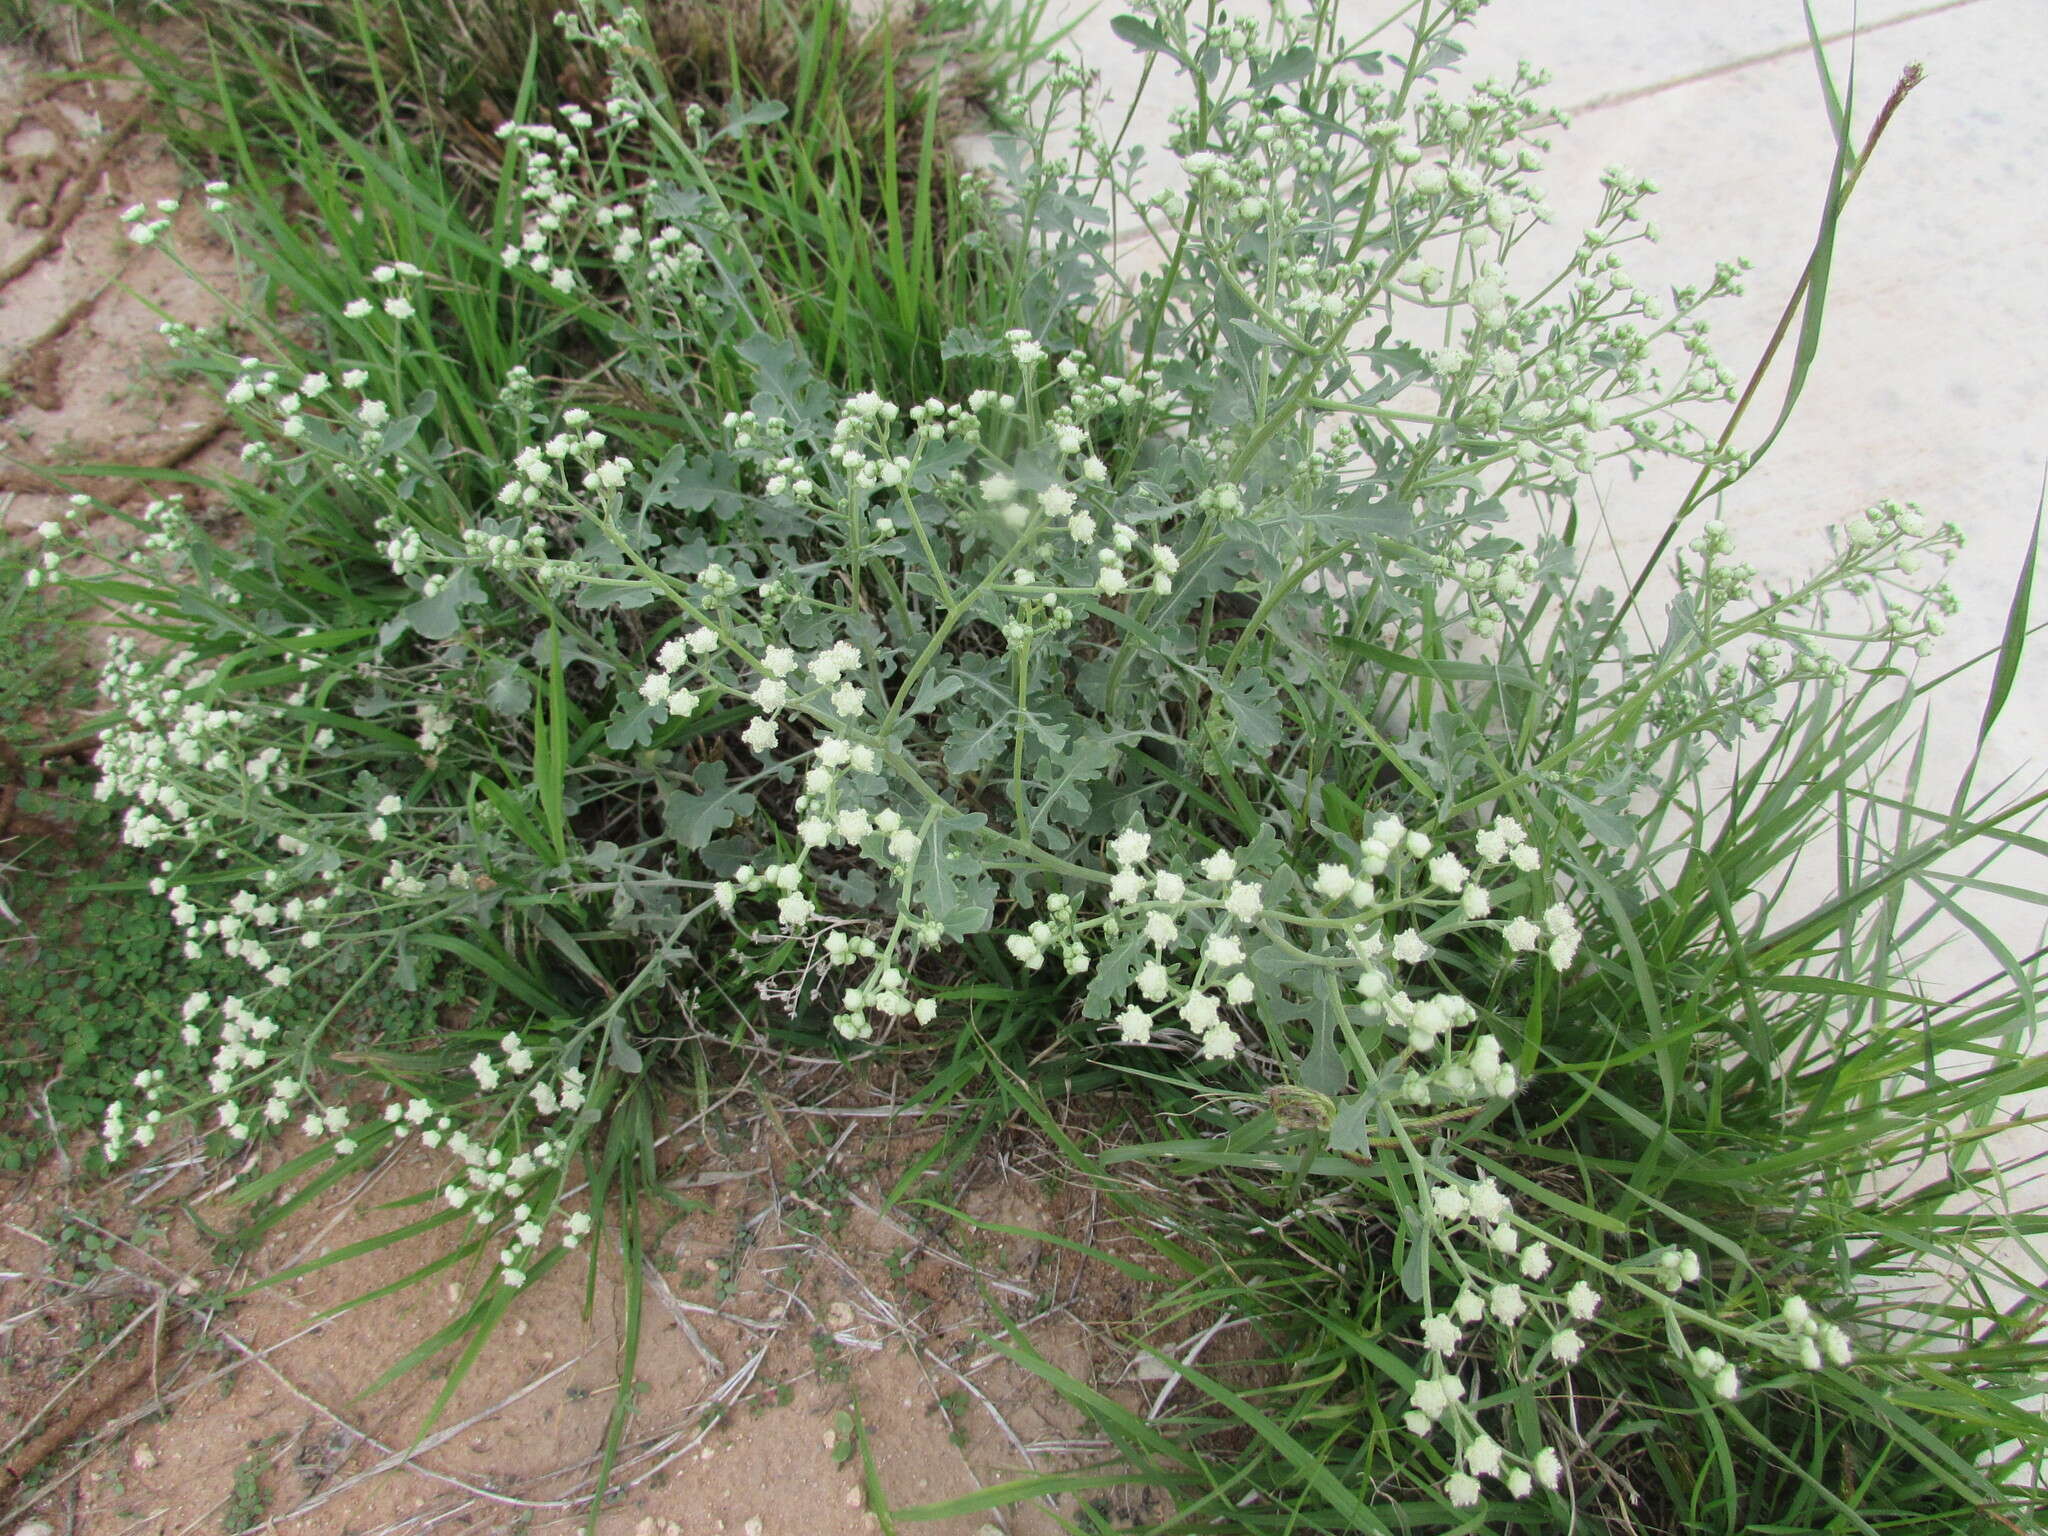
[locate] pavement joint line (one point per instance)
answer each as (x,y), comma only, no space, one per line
(1769,56)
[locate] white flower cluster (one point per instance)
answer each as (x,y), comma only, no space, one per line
(546,156)
(351,432)
(1384,909)
(52,532)
(1544,387)
(398,305)
(498,545)
(1531,1324)
(144,230)
(841,806)
(513,1193)
(1809,1340)
(543,466)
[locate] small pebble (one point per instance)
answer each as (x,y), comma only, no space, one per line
(35,1528)
(752,1527)
(839,1317)
(143,1457)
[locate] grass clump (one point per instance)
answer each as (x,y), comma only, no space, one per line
(1187,684)
(841,177)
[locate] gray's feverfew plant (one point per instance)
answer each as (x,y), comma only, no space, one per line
(1210,677)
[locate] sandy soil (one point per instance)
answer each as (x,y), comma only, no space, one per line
(81,365)
(156,1392)
(781,1303)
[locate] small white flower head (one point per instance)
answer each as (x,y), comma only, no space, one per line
(1134,1026)
(1430,1398)
(1201,1012)
(1519,1482)
(1152,981)
(1468,1307)
(1535,1263)
(1487,1201)
(1410,948)
(1448,1202)
(1447,872)
(1835,1344)
(1219,866)
(1440,1334)
(356,309)
(1582,1301)
(1461,1490)
(1245,901)
(1566,1346)
(1169,887)
(1223,951)
(1126,886)
(1507,1303)
(1549,1471)
(1483,1456)
(1521,935)
(1161,931)
(1333,882)
(1130,847)
(761,734)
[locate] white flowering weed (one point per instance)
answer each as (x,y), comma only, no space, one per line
(1168,670)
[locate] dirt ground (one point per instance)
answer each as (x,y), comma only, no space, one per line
(145,1388)
(783,1307)
(81,376)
